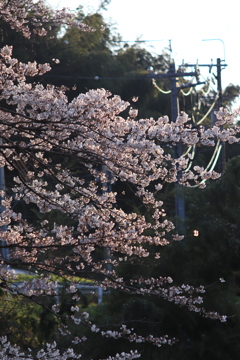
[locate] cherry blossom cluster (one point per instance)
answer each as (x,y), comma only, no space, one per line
(66,157)
(133,337)
(7,352)
(21,13)
(125,356)
(91,131)
(13,352)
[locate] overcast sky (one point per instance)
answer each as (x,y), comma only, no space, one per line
(186,23)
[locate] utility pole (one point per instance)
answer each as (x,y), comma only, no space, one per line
(179,195)
(173,75)
(4,251)
(219,83)
(222,158)
(219,66)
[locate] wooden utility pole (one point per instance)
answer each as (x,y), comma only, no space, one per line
(4,251)
(179,195)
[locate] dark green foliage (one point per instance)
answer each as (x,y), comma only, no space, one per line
(26,323)
(204,259)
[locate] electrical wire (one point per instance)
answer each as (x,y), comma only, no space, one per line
(209,110)
(216,151)
(159,89)
(193,148)
(212,163)
(212,160)
(191,88)
(212,167)
(141,41)
(215,156)
(187,93)
(192,156)
(91,77)
(188,150)
(205,93)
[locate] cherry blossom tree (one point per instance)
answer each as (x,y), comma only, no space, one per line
(65,158)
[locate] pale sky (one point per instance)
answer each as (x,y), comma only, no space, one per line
(186,23)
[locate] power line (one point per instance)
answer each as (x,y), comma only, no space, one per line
(217,152)
(159,89)
(187,93)
(140,41)
(93,77)
(209,110)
